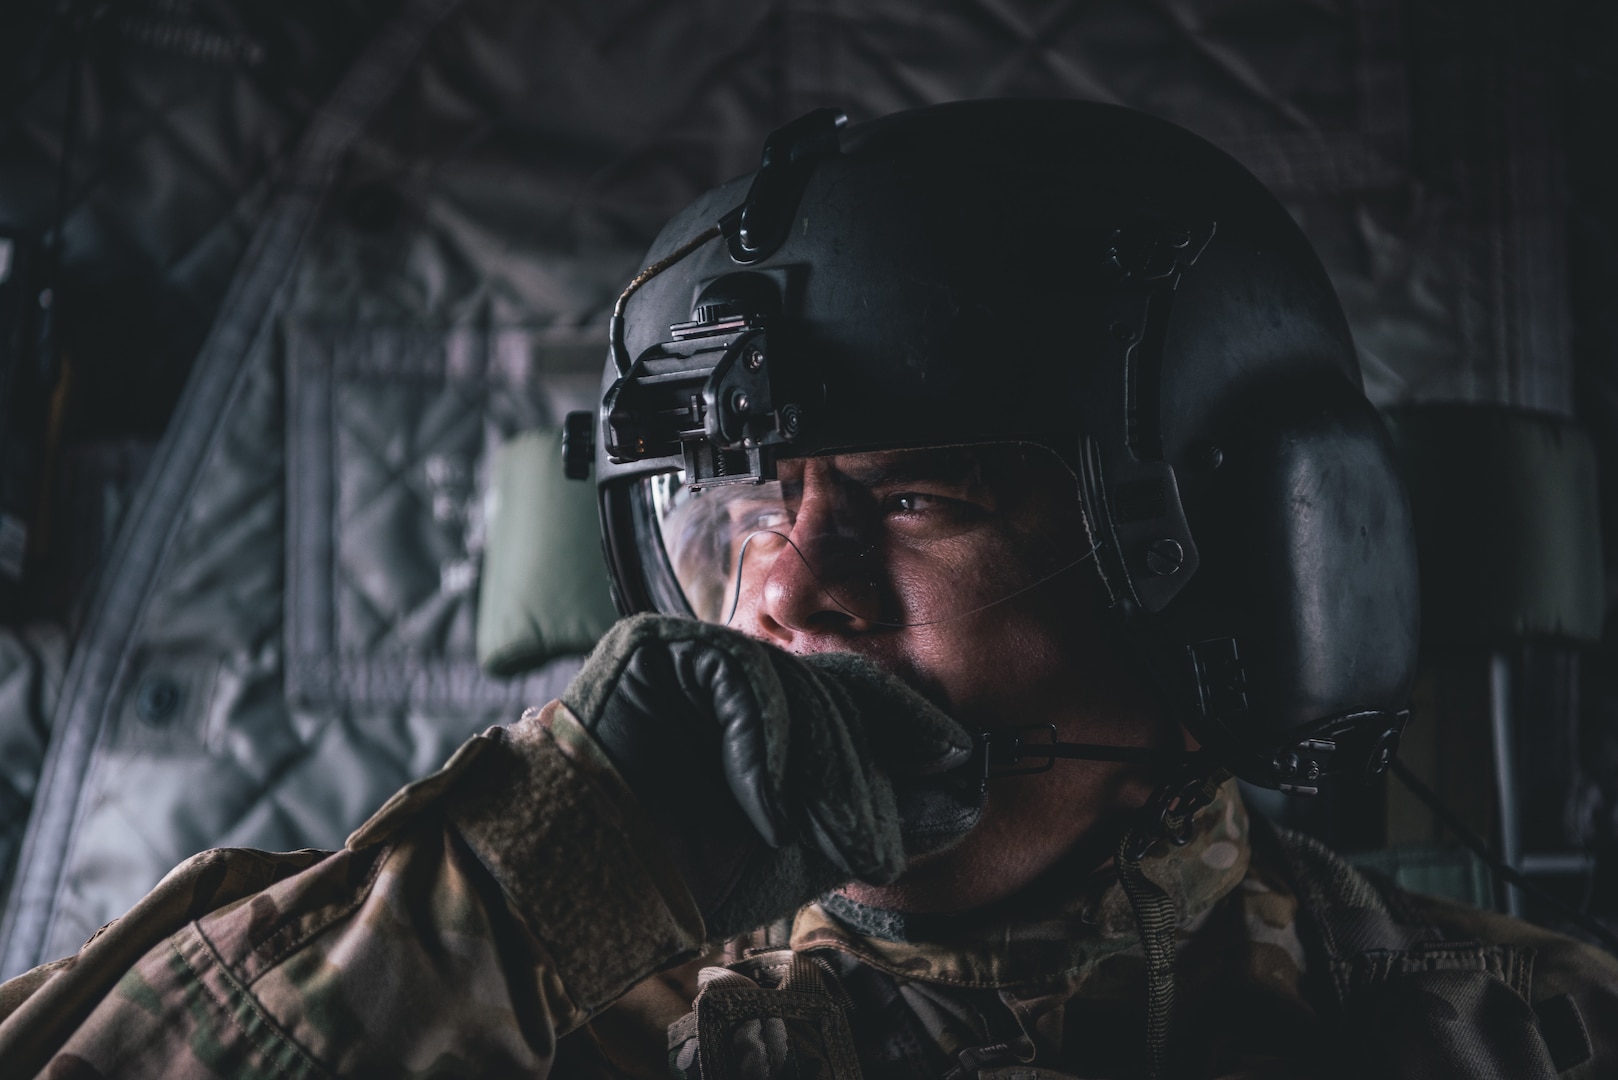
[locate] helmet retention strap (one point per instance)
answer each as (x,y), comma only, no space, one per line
(1167,815)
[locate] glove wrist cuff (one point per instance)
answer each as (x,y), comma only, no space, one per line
(544,811)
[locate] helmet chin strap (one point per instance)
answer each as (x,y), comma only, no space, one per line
(1169,814)
(1034,748)
(1195,779)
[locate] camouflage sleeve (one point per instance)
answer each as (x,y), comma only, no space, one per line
(1573,986)
(479,916)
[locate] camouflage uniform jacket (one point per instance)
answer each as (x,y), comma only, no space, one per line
(511,915)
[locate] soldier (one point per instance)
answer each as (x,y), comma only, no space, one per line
(994,482)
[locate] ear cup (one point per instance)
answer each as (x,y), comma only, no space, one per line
(1309,574)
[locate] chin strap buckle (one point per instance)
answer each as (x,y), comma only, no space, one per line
(1168,815)
(1002,752)
(1171,813)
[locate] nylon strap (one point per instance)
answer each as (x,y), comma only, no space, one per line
(1167,816)
(1155,918)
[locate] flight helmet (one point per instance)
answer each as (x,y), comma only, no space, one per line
(1023,283)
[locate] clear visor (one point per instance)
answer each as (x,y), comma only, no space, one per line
(889,538)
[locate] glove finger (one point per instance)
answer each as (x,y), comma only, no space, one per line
(937,811)
(736,683)
(845,797)
(924,753)
(627,698)
(909,734)
(875,856)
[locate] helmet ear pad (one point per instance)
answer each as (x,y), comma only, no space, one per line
(1305,610)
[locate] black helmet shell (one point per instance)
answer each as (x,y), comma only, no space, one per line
(1110,286)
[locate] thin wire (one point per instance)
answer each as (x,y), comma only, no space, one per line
(661,265)
(736,596)
(1506,870)
(615,327)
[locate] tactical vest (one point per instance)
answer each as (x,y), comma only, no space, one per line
(1407,1002)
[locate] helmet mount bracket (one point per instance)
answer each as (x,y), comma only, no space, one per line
(716,393)
(1144,545)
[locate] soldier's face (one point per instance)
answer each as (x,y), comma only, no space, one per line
(954,589)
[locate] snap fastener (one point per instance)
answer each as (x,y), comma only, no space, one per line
(158,699)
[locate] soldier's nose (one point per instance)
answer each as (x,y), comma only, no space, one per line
(825,576)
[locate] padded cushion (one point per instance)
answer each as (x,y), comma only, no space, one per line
(544,588)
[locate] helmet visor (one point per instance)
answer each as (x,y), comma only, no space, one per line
(888,538)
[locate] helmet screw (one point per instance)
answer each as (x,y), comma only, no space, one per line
(1206,457)
(754,359)
(739,401)
(1165,557)
(791,420)
(1313,771)
(1285,764)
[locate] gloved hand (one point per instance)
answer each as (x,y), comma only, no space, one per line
(772,777)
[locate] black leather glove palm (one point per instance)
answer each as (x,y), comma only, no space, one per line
(772,777)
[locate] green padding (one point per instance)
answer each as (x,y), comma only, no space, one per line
(1507,523)
(1453,873)
(544,590)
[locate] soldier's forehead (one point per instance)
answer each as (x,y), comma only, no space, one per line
(895,466)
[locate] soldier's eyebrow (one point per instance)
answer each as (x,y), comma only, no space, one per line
(951,467)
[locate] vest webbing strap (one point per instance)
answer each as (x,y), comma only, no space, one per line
(1155,918)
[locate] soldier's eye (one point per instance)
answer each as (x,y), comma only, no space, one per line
(925,515)
(914,502)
